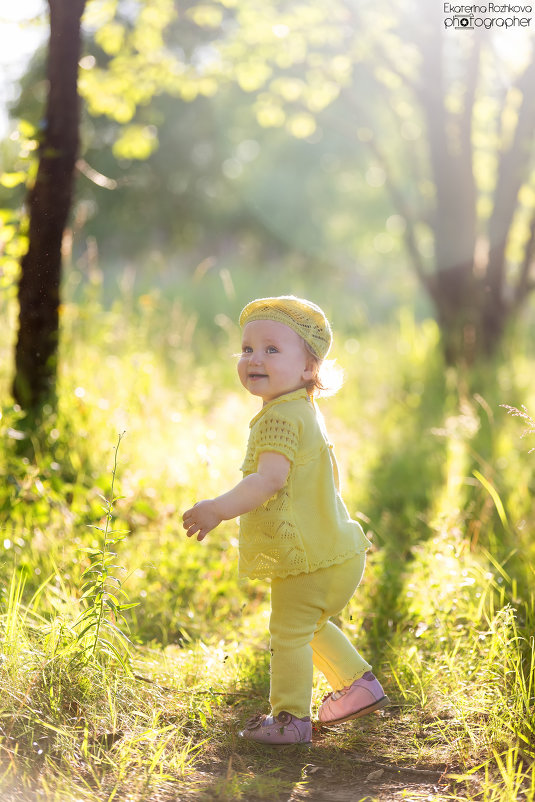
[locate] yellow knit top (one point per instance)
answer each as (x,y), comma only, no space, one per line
(305,525)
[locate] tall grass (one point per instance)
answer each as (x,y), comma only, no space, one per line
(433,466)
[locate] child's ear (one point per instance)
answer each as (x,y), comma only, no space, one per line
(311,369)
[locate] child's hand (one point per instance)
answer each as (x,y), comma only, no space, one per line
(201,519)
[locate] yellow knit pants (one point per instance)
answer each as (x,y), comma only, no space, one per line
(303,636)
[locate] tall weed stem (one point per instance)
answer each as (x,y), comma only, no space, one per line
(102,590)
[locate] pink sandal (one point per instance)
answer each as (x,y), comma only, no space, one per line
(277,730)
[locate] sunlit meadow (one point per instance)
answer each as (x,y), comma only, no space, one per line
(433,466)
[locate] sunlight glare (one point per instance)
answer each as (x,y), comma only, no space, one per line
(514,47)
(21,33)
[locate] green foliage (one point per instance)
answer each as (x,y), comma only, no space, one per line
(219,180)
(445,612)
(17,170)
(287,131)
(135,142)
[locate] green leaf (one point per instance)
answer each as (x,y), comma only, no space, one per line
(115,629)
(92,625)
(114,652)
(27,129)
(11,180)
(111,603)
(90,584)
(110,38)
(136,142)
(93,571)
(89,613)
(90,592)
(495,497)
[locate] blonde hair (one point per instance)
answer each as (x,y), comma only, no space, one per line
(328,375)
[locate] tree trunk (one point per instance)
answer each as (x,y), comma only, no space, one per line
(513,171)
(454,287)
(49,203)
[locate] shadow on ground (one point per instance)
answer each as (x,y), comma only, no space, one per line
(321,772)
(402,488)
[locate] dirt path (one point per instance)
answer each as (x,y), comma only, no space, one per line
(317,782)
(376,759)
(323,772)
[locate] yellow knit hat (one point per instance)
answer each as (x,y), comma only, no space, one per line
(304,317)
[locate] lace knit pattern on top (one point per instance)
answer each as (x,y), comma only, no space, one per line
(274,539)
(306,525)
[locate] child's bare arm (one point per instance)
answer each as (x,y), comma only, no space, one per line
(247,495)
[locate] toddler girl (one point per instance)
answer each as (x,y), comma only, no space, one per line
(294,526)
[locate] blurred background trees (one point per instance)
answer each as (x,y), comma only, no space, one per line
(360,140)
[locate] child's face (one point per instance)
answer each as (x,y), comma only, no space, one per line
(274,360)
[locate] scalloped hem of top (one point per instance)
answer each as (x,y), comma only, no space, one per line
(315,567)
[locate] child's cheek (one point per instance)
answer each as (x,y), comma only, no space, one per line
(242,369)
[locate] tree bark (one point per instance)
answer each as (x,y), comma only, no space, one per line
(513,170)
(49,203)
(454,288)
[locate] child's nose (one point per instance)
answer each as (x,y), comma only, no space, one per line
(256,357)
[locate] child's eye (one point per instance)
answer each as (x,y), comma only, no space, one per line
(246,349)
(272,350)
